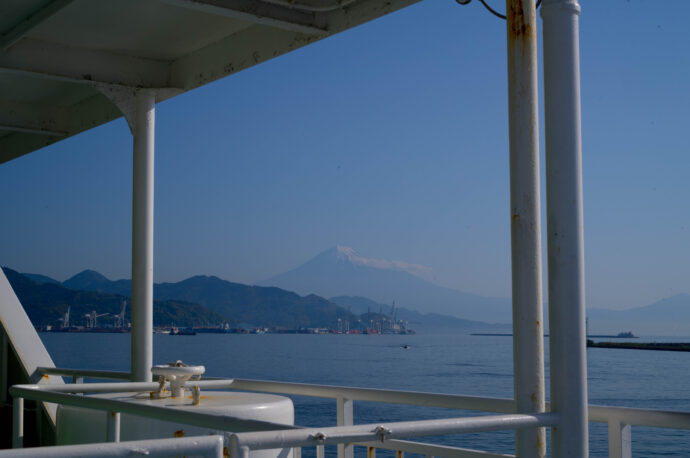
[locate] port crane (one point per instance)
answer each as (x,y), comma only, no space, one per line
(92,318)
(65,318)
(120,317)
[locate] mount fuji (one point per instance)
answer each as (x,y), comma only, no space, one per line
(341,271)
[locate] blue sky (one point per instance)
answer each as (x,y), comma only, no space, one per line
(390,138)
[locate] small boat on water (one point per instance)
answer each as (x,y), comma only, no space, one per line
(626,335)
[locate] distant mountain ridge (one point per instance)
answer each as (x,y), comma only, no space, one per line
(263,305)
(260,306)
(41,279)
(46,302)
(668,316)
(90,280)
(254,304)
(340,271)
(417,320)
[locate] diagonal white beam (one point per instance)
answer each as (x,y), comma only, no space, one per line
(59,62)
(34,119)
(257,12)
(21,29)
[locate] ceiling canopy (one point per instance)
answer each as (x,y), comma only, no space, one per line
(58,58)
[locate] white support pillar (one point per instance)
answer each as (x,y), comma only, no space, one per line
(142,237)
(565,227)
(525,221)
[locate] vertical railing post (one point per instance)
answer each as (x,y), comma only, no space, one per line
(113,425)
(142,236)
(77,379)
(345,417)
(565,227)
(620,440)
(18,423)
(525,224)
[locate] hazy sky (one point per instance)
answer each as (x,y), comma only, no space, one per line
(390,138)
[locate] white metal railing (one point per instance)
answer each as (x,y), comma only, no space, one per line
(78,375)
(428,450)
(242,443)
(619,419)
(207,446)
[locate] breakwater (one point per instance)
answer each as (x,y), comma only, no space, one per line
(664,346)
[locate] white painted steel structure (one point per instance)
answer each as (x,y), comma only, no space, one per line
(565,226)
(142,235)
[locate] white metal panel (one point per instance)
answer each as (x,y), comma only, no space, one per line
(24,340)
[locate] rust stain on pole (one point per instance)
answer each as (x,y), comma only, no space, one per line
(519,25)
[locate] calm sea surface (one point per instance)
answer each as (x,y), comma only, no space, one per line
(459,363)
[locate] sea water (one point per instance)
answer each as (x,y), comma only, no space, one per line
(440,363)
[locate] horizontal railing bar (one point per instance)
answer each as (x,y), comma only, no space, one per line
(422,448)
(222,423)
(108,375)
(111,387)
(640,417)
(634,416)
(398,430)
(210,446)
(450,401)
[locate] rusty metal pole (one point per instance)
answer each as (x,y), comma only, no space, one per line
(565,227)
(525,224)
